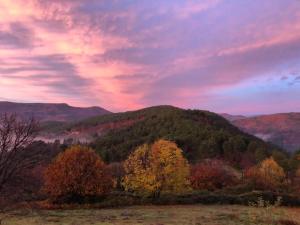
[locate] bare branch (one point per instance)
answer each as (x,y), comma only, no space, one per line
(16,136)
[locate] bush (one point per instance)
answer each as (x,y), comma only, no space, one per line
(212,175)
(77,175)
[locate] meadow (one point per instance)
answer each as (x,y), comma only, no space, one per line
(158,215)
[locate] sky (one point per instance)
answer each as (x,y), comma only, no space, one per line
(233,56)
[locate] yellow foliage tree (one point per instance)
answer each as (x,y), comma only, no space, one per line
(267,175)
(271,172)
(139,177)
(157,169)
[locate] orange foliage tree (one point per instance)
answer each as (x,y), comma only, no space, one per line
(267,175)
(157,169)
(76,173)
(211,175)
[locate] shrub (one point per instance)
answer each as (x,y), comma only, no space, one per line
(76,174)
(211,175)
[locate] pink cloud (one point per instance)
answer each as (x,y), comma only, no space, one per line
(121,55)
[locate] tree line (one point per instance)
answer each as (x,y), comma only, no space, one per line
(152,170)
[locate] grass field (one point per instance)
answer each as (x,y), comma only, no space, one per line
(157,215)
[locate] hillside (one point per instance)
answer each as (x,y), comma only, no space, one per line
(281,129)
(199,133)
(51,112)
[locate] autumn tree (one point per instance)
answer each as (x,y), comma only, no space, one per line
(212,175)
(156,169)
(253,176)
(77,173)
(267,175)
(271,172)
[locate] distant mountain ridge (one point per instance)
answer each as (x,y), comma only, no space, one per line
(44,112)
(282,129)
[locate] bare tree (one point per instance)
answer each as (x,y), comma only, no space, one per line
(16,135)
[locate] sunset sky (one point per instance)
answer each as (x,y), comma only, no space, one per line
(234,56)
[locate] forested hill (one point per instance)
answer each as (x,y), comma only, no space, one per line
(200,134)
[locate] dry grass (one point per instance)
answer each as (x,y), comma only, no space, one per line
(158,215)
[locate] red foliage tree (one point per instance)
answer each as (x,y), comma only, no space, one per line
(212,175)
(254,178)
(76,173)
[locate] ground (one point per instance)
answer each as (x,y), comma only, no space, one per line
(157,215)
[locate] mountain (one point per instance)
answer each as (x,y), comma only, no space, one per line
(51,112)
(200,134)
(64,122)
(282,129)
